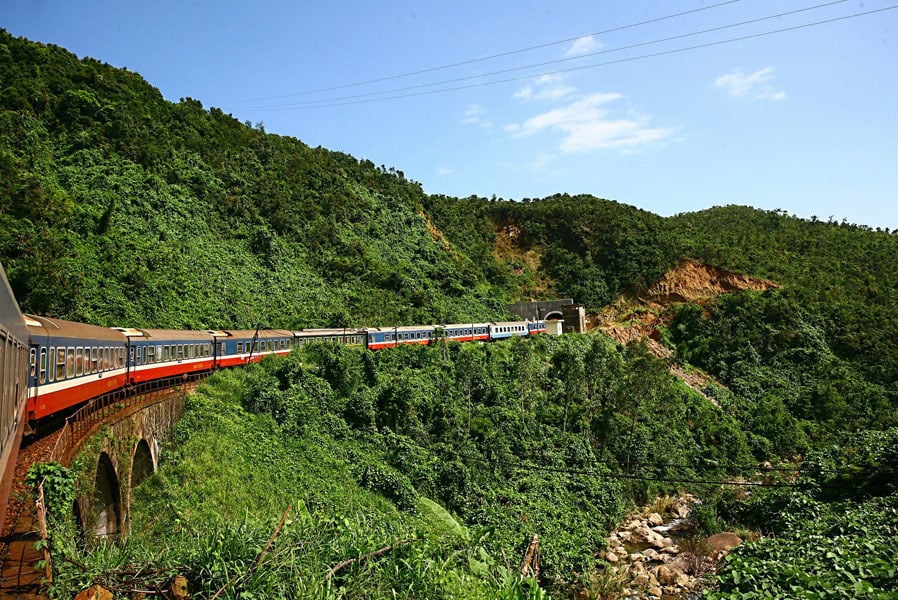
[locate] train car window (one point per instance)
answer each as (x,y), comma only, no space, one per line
(42,372)
(79,361)
(94,361)
(180,351)
(151,354)
(239,347)
(165,353)
(69,362)
(32,359)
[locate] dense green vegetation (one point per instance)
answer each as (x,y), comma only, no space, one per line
(119,208)
(831,536)
(374,448)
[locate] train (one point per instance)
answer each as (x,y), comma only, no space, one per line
(50,366)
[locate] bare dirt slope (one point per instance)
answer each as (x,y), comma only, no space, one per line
(636,318)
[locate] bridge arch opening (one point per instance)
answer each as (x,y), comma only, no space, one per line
(141,463)
(107,499)
(555,315)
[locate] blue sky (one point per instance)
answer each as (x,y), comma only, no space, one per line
(804,120)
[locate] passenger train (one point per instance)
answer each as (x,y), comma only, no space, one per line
(48,366)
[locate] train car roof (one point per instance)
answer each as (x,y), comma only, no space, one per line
(10,316)
(70,329)
(333,331)
(402,329)
(262,333)
(508,323)
(167,334)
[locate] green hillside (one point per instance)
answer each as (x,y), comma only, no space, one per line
(118,207)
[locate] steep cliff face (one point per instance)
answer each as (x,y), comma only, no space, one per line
(693,281)
(634,319)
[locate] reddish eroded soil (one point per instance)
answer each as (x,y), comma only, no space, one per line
(636,318)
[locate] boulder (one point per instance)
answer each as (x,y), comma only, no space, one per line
(666,575)
(655,591)
(97,592)
(655,519)
(178,588)
(611,557)
(723,542)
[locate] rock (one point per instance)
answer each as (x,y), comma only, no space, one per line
(682,511)
(624,536)
(672,549)
(655,519)
(642,580)
(723,542)
(666,575)
(621,551)
(611,557)
(650,554)
(97,592)
(637,557)
(668,542)
(178,588)
(683,581)
(655,592)
(644,533)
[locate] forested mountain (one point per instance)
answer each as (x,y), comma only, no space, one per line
(118,207)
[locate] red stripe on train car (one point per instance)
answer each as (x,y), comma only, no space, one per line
(169,370)
(82,389)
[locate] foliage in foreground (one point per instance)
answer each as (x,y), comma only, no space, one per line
(453,456)
(834,536)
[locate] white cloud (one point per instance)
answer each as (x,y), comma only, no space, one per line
(738,84)
(548,87)
(525,93)
(474,116)
(583,45)
(771,95)
(540,162)
(586,126)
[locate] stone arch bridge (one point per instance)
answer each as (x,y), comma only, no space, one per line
(112,444)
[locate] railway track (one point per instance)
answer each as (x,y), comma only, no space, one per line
(18,577)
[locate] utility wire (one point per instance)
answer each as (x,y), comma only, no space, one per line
(491,56)
(580,68)
(624,476)
(560,60)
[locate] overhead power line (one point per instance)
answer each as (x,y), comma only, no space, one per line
(558,60)
(489,57)
(363,98)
